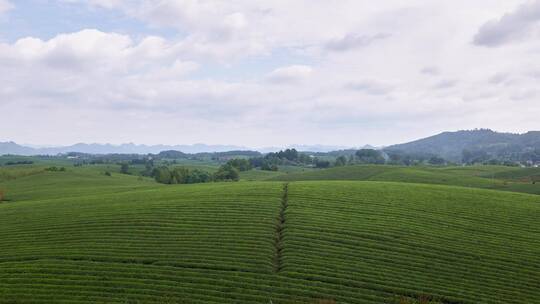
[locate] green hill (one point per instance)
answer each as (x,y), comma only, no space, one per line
(490,144)
(82,237)
(488,177)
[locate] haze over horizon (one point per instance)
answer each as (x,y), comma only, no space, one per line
(265,73)
(227,146)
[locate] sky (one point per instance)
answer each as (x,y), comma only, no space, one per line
(265,73)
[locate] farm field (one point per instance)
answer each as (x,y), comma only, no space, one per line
(488,177)
(82,237)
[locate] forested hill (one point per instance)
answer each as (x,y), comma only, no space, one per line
(480,144)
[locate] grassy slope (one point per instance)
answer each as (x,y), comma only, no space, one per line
(90,180)
(79,236)
(259,175)
(489,177)
(262,175)
(465,245)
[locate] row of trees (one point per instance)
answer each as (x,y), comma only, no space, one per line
(503,157)
(271,161)
(182,175)
(21,162)
(56,169)
(413,159)
(362,156)
(377,157)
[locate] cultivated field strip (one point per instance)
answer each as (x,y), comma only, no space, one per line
(225,229)
(488,177)
(303,242)
(414,239)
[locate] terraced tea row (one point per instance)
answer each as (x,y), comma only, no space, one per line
(487,177)
(352,242)
(212,226)
(468,246)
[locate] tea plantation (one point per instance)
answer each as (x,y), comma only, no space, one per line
(489,177)
(82,237)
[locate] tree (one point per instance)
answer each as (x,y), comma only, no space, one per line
(474,156)
(341,161)
(180,176)
(321,163)
(199,176)
(304,159)
(289,154)
(227,173)
(268,166)
(124,168)
(240,163)
(162,175)
(370,156)
(437,161)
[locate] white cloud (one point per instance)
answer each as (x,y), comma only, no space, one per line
(348,72)
(431,71)
(371,87)
(89,67)
(445,84)
(514,26)
(352,41)
(245,28)
(106,3)
(5,6)
(290,74)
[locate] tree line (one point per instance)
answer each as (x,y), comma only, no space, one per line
(183,175)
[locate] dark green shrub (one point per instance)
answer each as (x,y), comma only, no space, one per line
(227,173)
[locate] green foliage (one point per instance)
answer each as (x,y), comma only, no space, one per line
(476,146)
(269,167)
(82,238)
(437,161)
(198,176)
(241,164)
(490,177)
(227,173)
(181,175)
(22,162)
(124,168)
(55,169)
(474,156)
(271,161)
(369,156)
(321,163)
(163,175)
(340,161)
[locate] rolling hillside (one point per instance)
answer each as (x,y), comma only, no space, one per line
(450,145)
(82,237)
(488,177)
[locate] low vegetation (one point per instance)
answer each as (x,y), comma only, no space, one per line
(182,175)
(489,177)
(55,169)
(22,162)
(353,233)
(87,238)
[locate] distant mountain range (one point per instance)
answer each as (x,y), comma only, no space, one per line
(13,148)
(16,149)
(480,143)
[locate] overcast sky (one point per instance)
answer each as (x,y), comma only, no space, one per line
(265,73)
